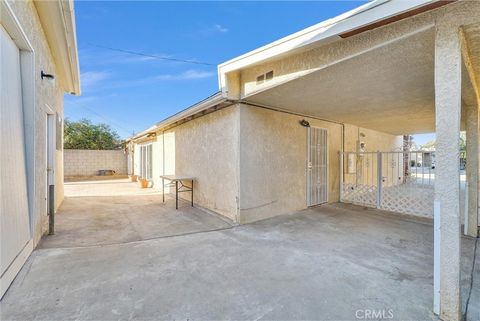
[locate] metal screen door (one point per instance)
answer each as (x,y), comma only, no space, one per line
(317,166)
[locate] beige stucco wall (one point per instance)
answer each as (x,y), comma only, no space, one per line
(250,162)
(366,164)
(273,156)
(207,149)
(48,97)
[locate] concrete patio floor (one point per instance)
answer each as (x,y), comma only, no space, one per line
(119,211)
(331,262)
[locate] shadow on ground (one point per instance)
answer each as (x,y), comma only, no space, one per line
(110,212)
(325,263)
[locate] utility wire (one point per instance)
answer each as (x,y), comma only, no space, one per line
(113,122)
(130,52)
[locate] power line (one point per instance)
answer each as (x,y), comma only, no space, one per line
(130,52)
(105,118)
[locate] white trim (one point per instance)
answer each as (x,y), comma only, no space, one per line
(57,18)
(12,26)
(9,21)
(214,100)
(15,267)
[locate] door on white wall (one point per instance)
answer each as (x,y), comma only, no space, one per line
(317,166)
(146,161)
(15,236)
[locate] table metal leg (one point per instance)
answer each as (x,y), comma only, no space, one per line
(192,192)
(176,195)
(163,189)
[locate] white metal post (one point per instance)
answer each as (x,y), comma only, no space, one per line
(341,175)
(379,179)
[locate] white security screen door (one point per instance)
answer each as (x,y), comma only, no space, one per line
(146,161)
(317,166)
(14,216)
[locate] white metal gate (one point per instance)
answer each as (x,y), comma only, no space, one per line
(317,166)
(394,181)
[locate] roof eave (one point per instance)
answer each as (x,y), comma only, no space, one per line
(321,33)
(58,22)
(215,99)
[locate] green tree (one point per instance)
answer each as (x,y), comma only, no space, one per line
(83,134)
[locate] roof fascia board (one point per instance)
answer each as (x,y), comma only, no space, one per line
(211,101)
(321,33)
(13,26)
(58,22)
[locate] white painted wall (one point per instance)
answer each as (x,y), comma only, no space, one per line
(38,98)
(48,98)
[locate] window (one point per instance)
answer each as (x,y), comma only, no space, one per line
(146,161)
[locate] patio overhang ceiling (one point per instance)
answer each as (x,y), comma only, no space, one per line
(390,88)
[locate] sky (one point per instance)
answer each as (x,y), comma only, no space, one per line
(131,92)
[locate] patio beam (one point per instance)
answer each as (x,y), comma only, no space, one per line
(471,219)
(447,191)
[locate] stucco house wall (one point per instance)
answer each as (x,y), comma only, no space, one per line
(273,157)
(48,98)
(250,162)
(205,148)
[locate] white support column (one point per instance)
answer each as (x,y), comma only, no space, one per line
(471,216)
(447,190)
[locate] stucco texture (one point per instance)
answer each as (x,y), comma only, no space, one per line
(273,156)
(205,148)
(273,159)
(48,98)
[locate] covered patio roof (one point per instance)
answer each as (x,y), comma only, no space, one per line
(390,88)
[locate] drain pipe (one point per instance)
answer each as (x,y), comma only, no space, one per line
(51,209)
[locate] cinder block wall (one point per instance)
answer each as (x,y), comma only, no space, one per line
(79,162)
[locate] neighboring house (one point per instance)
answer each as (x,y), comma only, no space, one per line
(361,80)
(37,44)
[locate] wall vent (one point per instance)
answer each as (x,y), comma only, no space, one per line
(260,79)
(265,77)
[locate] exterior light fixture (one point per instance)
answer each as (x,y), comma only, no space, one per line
(48,76)
(149,135)
(304,123)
